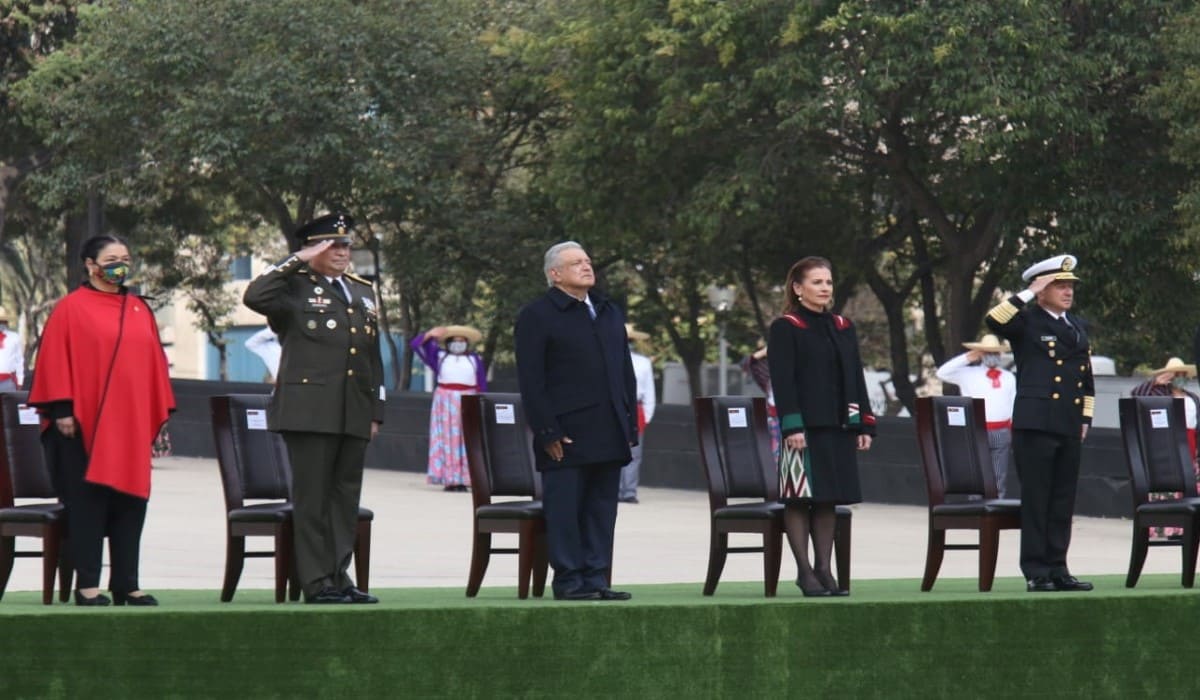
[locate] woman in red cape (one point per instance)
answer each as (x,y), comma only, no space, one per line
(102,387)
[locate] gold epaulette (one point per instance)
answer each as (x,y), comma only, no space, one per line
(1004,311)
(1089,406)
(356,278)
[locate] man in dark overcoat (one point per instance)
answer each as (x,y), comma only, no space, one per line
(1053,409)
(328,398)
(580,399)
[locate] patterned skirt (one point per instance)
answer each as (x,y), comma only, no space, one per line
(826,471)
(447,454)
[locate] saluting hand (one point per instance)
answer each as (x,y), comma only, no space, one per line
(1040,283)
(555,449)
(66,426)
(309,252)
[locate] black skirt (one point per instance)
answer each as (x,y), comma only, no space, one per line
(830,469)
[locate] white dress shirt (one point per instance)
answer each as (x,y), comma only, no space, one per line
(974,381)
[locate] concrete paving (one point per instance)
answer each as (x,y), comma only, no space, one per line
(422,537)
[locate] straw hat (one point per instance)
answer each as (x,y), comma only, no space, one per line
(1174,366)
(988,343)
(635,334)
(472,334)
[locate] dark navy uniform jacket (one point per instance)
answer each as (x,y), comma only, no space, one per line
(331,371)
(1055,389)
(576,379)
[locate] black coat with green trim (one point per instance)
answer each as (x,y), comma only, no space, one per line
(331,370)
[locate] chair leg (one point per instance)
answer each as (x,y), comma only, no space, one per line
(1189,546)
(8,552)
(541,561)
(841,546)
(362,555)
(1137,554)
(66,571)
(525,545)
(283,560)
(989,549)
(50,540)
(235,555)
(718,548)
(480,553)
(933,557)
(772,554)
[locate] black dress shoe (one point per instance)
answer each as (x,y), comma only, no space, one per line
(577,594)
(1070,583)
(328,596)
(357,596)
(1040,584)
(610,594)
(126,599)
(629,499)
(98,600)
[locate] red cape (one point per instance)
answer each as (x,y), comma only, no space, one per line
(76,361)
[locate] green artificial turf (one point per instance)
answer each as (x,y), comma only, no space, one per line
(887,640)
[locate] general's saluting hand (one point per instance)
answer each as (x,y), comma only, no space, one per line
(309,252)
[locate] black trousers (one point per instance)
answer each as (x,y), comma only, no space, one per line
(1048,466)
(327,474)
(580,507)
(94,512)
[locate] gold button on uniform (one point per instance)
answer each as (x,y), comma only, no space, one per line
(1082,368)
(1079,384)
(1058,379)
(350,311)
(1058,362)
(1076,402)
(304,381)
(354,351)
(1054,395)
(349,373)
(353,329)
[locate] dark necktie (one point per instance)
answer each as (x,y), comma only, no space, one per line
(338,289)
(1071,329)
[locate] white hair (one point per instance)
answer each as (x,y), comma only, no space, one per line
(552,254)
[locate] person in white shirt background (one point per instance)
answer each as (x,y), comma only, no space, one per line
(978,374)
(265,344)
(12,355)
(643,372)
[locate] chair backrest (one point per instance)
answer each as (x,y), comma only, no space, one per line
(952,435)
(23,470)
(499,447)
(253,461)
(1154,433)
(735,448)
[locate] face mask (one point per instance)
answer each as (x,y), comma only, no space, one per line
(1178,382)
(114,272)
(458,347)
(991,360)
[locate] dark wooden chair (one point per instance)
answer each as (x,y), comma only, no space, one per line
(738,463)
(952,435)
(1154,433)
(24,475)
(501,462)
(254,466)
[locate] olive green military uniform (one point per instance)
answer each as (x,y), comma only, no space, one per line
(328,392)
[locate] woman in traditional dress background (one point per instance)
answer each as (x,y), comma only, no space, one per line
(446,350)
(102,387)
(824,414)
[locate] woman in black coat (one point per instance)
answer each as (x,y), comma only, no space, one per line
(824,413)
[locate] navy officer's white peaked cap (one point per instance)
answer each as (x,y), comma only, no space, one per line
(1061,266)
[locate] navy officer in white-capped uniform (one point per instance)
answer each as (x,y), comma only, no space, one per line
(1051,414)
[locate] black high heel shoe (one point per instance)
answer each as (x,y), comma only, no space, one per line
(126,599)
(98,600)
(831,585)
(818,592)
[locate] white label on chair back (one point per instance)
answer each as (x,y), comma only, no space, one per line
(955,415)
(27,415)
(256,419)
(1158,418)
(737,418)
(505,415)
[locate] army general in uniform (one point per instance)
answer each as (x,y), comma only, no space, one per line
(1051,414)
(328,398)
